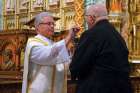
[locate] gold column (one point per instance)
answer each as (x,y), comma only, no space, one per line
(62,14)
(124,25)
(17,15)
(4,14)
(30,10)
(79,14)
(47,4)
(138,28)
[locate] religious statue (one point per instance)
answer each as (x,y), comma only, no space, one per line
(114,6)
(10,4)
(125,22)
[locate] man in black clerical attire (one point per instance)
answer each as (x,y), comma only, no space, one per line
(100,62)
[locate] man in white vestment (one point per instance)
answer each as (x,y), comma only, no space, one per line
(44,59)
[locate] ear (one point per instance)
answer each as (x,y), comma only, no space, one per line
(37,28)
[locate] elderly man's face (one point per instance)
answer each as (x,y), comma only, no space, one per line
(46,27)
(90,19)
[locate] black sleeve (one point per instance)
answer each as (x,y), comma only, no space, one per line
(83,59)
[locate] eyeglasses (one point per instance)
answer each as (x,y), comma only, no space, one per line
(48,23)
(91,16)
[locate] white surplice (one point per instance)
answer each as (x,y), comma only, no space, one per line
(44,70)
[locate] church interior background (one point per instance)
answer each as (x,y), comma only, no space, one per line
(16,27)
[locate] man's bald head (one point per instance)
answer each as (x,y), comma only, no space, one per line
(98,10)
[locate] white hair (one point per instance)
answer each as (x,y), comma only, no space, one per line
(39,17)
(97,10)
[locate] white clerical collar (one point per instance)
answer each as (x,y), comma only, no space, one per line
(43,38)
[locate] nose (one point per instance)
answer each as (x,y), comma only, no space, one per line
(52,25)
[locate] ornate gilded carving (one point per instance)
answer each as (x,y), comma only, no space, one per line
(1,47)
(125,22)
(21,43)
(115,6)
(115,10)
(7,50)
(8,64)
(79,12)
(37,3)
(134,38)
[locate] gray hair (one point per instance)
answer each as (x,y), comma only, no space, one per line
(97,10)
(39,17)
